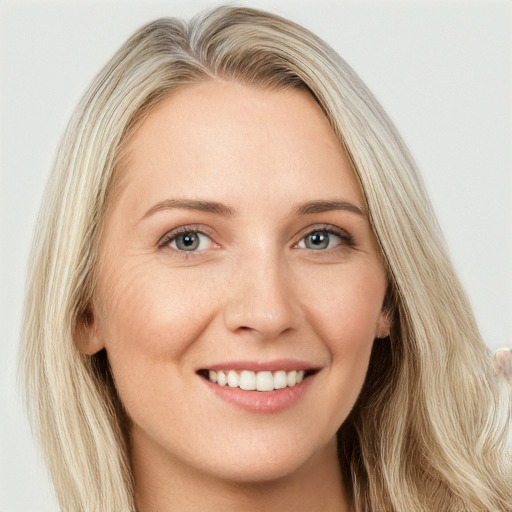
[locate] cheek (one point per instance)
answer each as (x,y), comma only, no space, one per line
(149,319)
(344,314)
(344,304)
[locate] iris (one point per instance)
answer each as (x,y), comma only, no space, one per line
(317,240)
(187,241)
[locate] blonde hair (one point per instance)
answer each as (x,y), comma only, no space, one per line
(430,428)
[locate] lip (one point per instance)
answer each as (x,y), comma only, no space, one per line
(286,365)
(262,402)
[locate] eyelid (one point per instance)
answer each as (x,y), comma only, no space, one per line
(346,238)
(169,236)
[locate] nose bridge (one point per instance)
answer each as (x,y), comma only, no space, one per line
(262,299)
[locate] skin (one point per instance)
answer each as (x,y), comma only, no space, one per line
(254,290)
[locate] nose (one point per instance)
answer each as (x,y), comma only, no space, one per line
(262,301)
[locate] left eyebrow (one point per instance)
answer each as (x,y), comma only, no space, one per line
(327,206)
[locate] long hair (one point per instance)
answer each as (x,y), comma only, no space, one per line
(430,428)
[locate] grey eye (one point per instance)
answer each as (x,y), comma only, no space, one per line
(190,241)
(318,240)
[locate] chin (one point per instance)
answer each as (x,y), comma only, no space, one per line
(262,471)
(264,463)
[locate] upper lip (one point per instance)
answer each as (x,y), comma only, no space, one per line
(260,366)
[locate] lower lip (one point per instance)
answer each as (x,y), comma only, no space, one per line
(262,402)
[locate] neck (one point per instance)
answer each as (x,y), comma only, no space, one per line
(164,485)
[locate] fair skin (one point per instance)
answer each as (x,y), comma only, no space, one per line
(273,268)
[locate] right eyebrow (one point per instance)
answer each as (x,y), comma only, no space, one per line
(190,204)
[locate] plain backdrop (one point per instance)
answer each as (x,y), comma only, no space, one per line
(442,69)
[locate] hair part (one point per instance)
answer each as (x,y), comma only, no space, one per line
(430,427)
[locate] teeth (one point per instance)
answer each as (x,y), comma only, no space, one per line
(264,381)
(221,378)
(280,380)
(260,381)
(291,378)
(233,379)
(247,381)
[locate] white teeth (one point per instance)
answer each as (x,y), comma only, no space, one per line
(233,379)
(247,381)
(261,381)
(264,381)
(291,378)
(221,378)
(280,380)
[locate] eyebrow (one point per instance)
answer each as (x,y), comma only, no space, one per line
(311,207)
(190,204)
(327,206)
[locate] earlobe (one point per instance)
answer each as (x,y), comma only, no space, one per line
(87,334)
(383,324)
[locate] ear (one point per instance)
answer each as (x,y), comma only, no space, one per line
(87,333)
(383,324)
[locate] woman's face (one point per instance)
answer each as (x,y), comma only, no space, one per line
(238,249)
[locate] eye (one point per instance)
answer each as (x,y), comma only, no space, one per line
(187,241)
(322,239)
(318,240)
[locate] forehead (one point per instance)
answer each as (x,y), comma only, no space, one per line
(224,140)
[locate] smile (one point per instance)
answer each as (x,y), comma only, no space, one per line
(248,380)
(267,387)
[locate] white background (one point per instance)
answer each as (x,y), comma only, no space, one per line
(442,69)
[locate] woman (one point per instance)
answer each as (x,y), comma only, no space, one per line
(240,293)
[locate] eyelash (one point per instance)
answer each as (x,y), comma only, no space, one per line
(169,237)
(346,239)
